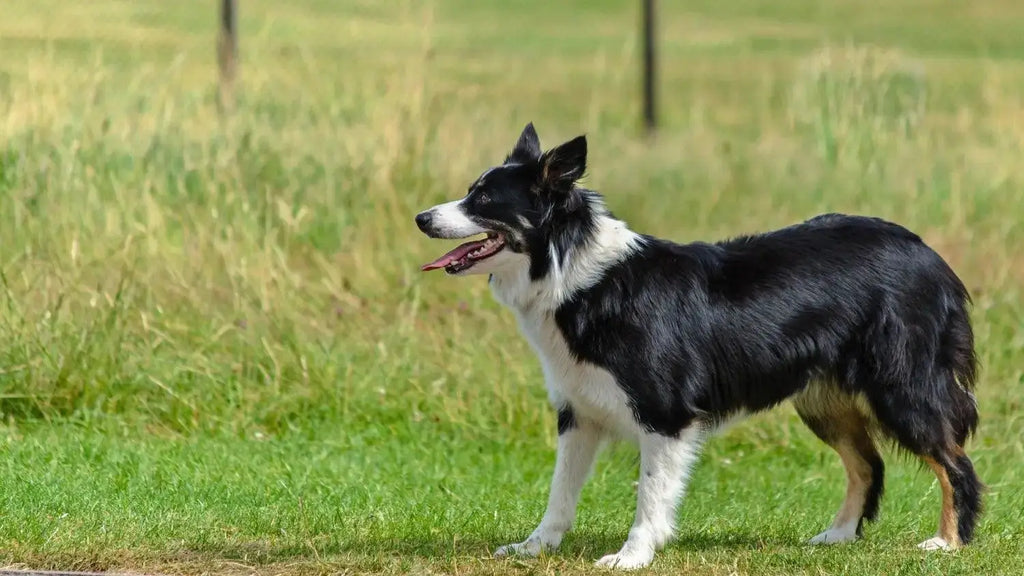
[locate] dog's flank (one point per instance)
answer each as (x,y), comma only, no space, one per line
(855,319)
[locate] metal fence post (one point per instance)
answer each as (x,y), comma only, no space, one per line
(649,79)
(227,53)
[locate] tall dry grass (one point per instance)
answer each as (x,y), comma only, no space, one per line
(164,265)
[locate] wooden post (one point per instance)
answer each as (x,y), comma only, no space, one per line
(227,53)
(650,120)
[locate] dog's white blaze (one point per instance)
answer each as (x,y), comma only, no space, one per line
(665,464)
(451,221)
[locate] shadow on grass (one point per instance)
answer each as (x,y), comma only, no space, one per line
(385,554)
(582,545)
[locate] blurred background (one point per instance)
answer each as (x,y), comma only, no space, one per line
(210,296)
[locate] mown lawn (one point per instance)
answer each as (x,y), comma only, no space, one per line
(217,354)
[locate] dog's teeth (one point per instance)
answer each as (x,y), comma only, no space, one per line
(487,246)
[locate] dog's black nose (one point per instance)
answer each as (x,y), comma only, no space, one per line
(423,220)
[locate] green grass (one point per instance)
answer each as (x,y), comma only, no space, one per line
(217,354)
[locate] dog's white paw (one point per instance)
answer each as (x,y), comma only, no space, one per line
(531,547)
(627,560)
(834,536)
(936,543)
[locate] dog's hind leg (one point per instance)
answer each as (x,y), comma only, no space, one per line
(835,418)
(921,392)
(578,443)
(934,432)
(961,500)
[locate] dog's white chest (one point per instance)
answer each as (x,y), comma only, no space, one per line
(590,390)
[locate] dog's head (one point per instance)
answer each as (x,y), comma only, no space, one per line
(524,206)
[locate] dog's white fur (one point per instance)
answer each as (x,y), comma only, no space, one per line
(451,221)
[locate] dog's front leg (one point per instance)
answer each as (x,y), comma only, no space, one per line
(578,443)
(664,469)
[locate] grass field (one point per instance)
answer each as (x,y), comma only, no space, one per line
(217,354)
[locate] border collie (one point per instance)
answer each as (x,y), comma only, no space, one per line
(863,326)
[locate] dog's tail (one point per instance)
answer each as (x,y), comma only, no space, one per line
(957,348)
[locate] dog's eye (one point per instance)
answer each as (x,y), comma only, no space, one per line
(482,198)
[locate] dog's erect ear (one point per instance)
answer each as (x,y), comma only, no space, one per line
(563,165)
(527,148)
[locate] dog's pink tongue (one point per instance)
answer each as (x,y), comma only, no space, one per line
(455,255)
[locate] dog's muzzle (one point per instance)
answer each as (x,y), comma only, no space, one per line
(424,221)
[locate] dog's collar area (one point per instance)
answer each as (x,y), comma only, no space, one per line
(466,255)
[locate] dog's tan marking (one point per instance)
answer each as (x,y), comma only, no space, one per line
(840,421)
(858,479)
(948,518)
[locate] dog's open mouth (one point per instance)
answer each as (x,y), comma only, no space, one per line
(465,256)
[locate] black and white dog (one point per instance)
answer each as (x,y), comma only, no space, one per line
(855,319)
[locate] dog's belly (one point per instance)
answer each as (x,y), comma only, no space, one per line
(590,391)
